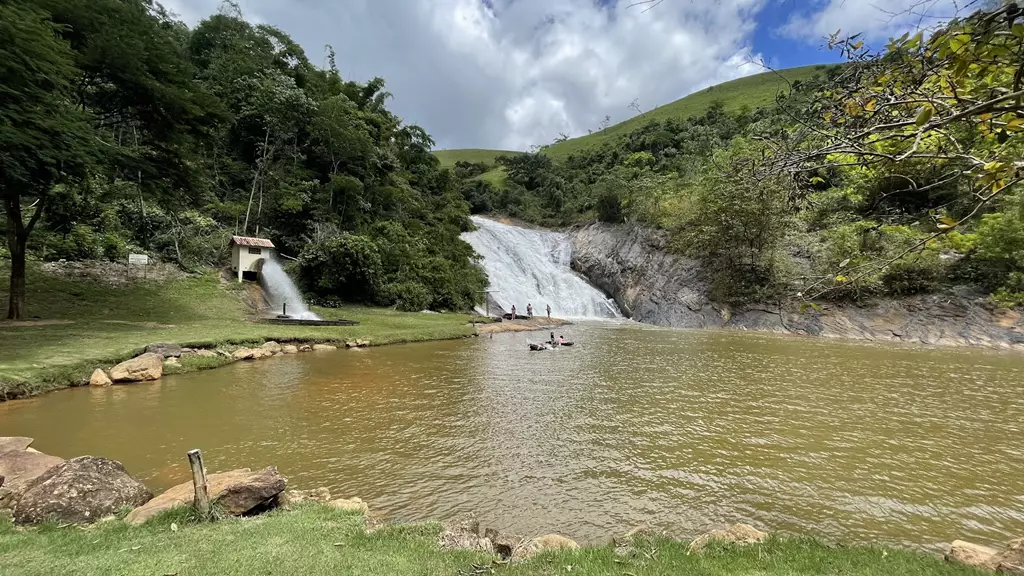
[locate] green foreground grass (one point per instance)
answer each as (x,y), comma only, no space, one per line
(84,324)
(316,540)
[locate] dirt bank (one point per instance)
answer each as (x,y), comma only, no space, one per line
(522,325)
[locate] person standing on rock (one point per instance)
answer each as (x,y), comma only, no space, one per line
(513,311)
(549,311)
(529,310)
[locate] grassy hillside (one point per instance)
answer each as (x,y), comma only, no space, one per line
(448,158)
(752,91)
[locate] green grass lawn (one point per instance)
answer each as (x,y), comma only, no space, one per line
(318,541)
(84,324)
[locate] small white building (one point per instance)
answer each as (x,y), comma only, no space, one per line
(247,255)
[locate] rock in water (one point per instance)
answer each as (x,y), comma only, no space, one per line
(14,443)
(349,505)
(99,378)
(272,347)
(323,347)
(236,493)
(291,497)
(19,469)
(242,354)
(166,350)
(289,349)
(543,544)
(149,366)
(80,491)
(735,534)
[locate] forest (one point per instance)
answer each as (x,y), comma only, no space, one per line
(122,130)
(895,173)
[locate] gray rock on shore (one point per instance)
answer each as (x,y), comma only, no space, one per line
(167,350)
(79,491)
(148,366)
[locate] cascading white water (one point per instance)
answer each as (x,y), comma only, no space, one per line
(281,290)
(532,267)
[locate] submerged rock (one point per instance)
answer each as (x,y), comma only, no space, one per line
(289,349)
(19,468)
(167,350)
(79,491)
(735,534)
(292,497)
(148,366)
(14,443)
(236,493)
(544,544)
(349,505)
(323,347)
(99,378)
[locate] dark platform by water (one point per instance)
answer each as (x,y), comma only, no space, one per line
(299,322)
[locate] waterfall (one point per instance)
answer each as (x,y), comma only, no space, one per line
(532,267)
(281,290)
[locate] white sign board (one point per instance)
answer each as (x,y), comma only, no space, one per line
(138,259)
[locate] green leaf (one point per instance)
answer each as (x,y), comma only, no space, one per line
(924,115)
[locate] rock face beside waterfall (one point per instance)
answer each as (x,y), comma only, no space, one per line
(651,285)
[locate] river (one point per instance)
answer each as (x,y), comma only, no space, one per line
(682,429)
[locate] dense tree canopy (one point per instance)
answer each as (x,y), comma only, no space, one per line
(123,129)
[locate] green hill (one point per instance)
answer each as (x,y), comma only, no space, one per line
(752,91)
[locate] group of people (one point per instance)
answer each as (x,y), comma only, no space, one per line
(529,312)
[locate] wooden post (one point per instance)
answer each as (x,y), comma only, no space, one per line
(202,500)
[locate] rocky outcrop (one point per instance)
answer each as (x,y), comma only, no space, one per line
(18,469)
(148,366)
(1007,561)
(654,286)
(99,378)
(167,350)
(743,534)
(236,493)
(79,491)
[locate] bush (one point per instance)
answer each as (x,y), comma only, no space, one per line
(346,266)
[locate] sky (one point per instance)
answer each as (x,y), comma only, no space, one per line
(511,74)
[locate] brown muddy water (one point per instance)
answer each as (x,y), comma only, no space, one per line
(848,442)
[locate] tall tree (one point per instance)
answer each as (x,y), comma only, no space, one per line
(44,139)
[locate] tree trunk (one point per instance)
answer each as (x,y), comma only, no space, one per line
(16,302)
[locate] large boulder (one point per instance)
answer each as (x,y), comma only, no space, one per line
(236,493)
(242,354)
(99,378)
(544,544)
(148,366)
(289,349)
(167,350)
(14,443)
(272,347)
(19,468)
(80,491)
(735,534)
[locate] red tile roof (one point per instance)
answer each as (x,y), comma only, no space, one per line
(247,241)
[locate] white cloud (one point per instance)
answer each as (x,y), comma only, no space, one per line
(877,21)
(512,73)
